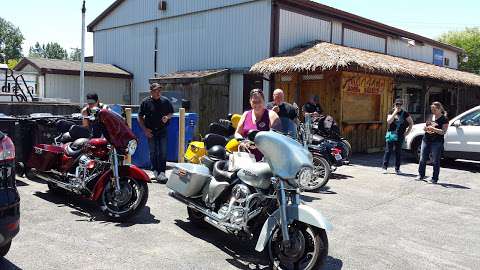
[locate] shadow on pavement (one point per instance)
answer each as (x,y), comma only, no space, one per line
(463,165)
(5,264)
(446,185)
(88,211)
(20,183)
(337,176)
(242,252)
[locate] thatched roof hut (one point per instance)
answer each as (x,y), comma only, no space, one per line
(322,56)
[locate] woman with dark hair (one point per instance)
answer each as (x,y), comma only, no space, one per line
(400,123)
(433,140)
(258,118)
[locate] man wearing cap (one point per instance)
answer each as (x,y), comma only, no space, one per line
(92,102)
(153,117)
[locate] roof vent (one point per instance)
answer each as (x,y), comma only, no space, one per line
(162,5)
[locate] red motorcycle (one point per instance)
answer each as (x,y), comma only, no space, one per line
(94,168)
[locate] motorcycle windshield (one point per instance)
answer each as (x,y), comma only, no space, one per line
(285,156)
(115,130)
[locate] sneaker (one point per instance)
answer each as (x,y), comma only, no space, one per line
(162,178)
(384,171)
(155,175)
(398,172)
(433,181)
(419,178)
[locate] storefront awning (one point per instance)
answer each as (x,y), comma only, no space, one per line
(323,56)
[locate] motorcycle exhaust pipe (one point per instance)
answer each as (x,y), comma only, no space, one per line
(54,181)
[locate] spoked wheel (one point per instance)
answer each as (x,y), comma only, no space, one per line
(132,197)
(346,149)
(307,249)
(320,175)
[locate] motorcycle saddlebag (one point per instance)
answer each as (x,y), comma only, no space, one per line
(188,179)
(45,157)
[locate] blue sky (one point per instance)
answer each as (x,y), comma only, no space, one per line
(60,20)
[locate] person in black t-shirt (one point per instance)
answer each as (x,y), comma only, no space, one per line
(92,102)
(400,123)
(432,142)
(313,106)
(154,116)
(286,112)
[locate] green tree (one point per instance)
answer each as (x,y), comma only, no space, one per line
(51,50)
(12,63)
(76,54)
(11,40)
(469,40)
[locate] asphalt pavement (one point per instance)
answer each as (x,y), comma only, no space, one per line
(380,222)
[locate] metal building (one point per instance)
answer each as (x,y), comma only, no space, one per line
(59,80)
(154,37)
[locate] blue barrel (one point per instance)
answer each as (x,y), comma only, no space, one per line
(141,158)
(191,120)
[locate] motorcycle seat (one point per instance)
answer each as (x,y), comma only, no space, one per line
(74,148)
(221,173)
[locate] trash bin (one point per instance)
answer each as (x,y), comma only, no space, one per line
(191,120)
(141,158)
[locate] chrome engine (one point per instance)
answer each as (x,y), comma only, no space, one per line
(237,210)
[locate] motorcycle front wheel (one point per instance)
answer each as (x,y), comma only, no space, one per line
(132,198)
(320,176)
(308,248)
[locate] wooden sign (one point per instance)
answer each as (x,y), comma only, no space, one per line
(366,84)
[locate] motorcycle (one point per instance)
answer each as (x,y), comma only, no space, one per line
(325,127)
(327,155)
(93,168)
(260,201)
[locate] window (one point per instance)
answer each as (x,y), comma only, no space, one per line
(446,62)
(471,119)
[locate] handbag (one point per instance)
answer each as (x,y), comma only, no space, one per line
(392,136)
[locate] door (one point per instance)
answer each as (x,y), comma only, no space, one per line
(464,141)
(250,81)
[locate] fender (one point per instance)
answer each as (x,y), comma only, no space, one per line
(131,171)
(303,213)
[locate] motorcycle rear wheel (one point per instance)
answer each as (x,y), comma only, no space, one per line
(133,197)
(308,248)
(5,248)
(346,147)
(196,217)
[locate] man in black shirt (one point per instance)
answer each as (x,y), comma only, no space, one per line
(286,112)
(153,117)
(313,106)
(92,102)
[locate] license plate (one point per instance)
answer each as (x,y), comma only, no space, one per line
(338,157)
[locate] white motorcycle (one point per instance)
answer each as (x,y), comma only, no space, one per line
(259,200)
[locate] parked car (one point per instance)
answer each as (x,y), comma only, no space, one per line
(462,140)
(9,198)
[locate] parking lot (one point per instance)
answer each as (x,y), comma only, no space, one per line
(380,222)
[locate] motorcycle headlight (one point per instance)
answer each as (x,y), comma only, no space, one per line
(132,147)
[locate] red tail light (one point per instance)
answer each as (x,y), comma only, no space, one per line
(336,151)
(91,164)
(7,149)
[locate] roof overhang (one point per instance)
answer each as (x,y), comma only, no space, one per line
(186,77)
(323,56)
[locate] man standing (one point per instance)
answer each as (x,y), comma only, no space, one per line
(92,102)
(153,117)
(313,106)
(285,111)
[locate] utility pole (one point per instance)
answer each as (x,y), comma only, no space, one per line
(82,60)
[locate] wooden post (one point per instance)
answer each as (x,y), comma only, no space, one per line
(181,135)
(128,116)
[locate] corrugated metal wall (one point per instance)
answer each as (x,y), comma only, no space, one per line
(364,41)
(236,93)
(139,11)
(109,90)
(336,32)
(232,37)
(296,29)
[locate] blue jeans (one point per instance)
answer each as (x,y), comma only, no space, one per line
(436,149)
(389,148)
(158,151)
